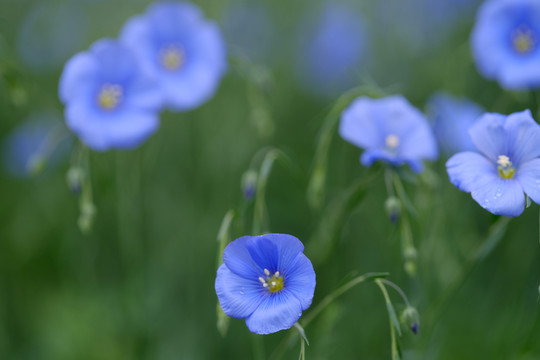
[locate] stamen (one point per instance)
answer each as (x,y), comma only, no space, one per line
(392,141)
(172,57)
(506,169)
(109,96)
(524,40)
(273,283)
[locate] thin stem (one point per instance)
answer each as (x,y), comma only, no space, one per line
(398,289)
(266,167)
(395,352)
(280,350)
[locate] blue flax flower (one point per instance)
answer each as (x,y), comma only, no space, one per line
(389,129)
(267,280)
(507,166)
(452,117)
(506,42)
(184,51)
(110,101)
(331,48)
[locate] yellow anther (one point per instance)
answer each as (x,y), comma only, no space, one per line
(506,170)
(524,40)
(172,57)
(273,283)
(109,96)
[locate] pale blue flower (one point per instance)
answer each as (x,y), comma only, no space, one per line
(267,280)
(181,49)
(507,166)
(110,101)
(452,117)
(331,50)
(506,42)
(389,129)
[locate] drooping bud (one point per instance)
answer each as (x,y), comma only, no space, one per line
(392,205)
(75,177)
(249,184)
(411,318)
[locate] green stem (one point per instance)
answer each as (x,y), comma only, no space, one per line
(280,350)
(266,167)
(315,190)
(395,351)
(496,233)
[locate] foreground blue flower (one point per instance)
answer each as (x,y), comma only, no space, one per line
(110,101)
(506,42)
(184,51)
(452,117)
(267,280)
(507,166)
(389,129)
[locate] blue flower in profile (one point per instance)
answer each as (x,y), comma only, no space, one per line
(507,167)
(184,51)
(389,129)
(331,49)
(110,101)
(506,42)
(40,142)
(452,117)
(267,280)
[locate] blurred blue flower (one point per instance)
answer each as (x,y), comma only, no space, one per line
(110,101)
(184,51)
(506,42)
(507,166)
(331,49)
(40,142)
(389,129)
(49,34)
(255,44)
(267,280)
(452,117)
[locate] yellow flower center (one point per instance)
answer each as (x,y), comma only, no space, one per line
(506,170)
(172,57)
(109,96)
(524,40)
(392,141)
(273,283)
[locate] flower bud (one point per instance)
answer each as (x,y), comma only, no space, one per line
(74,178)
(392,205)
(411,319)
(249,184)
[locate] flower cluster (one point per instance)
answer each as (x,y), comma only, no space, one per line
(267,280)
(169,57)
(507,166)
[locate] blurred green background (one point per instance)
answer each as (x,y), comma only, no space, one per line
(141,284)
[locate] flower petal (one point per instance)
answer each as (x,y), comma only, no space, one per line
(276,312)
(238,259)
(524,137)
(358,127)
(528,176)
(77,77)
(489,136)
(299,279)
(288,247)
(465,168)
(238,297)
(499,196)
